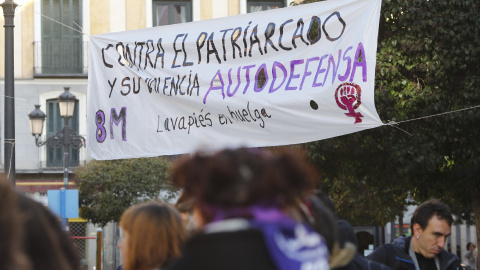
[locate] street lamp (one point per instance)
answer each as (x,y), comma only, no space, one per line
(65,137)
(9,155)
(37,118)
(66,102)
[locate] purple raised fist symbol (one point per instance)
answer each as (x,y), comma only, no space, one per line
(348,97)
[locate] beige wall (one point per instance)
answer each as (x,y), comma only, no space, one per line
(23,41)
(135,10)
(27,40)
(233,7)
(99,17)
(205,9)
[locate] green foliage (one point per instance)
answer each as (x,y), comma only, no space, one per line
(427,64)
(107,188)
(427,60)
(361,176)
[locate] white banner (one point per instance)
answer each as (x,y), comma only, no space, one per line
(278,77)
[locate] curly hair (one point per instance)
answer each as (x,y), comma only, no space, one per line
(244,177)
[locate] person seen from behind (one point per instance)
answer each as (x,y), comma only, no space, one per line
(152,236)
(424,249)
(244,198)
(184,206)
(343,254)
(12,256)
(46,244)
(31,236)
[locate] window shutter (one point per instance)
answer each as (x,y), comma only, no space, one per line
(61,46)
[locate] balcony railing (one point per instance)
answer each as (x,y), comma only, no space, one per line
(62,58)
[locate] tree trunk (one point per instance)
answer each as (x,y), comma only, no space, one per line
(400,225)
(475,195)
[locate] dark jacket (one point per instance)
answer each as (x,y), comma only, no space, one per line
(238,250)
(347,234)
(395,255)
(360,263)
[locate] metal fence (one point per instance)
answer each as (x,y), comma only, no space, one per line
(78,233)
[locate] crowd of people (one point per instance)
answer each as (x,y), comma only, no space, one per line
(239,209)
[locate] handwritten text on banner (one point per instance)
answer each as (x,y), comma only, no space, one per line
(277,77)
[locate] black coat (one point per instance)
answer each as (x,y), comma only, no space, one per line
(396,256)
(237,250)
(360,263)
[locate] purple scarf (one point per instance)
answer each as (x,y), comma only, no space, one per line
(292,245)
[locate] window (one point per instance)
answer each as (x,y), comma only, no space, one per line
(171,12)
(54,123)
(61,47)
(255,5)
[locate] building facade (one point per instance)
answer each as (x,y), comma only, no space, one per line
(51,44)
(51,52)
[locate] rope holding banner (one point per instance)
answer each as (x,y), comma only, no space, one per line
(45,16)
(434,115)
(394,124)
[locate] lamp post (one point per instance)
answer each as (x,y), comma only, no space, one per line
(65,137)
(9,155)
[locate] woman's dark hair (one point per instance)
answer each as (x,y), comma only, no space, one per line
(11,255)
(46,244)
(427,210)
(324,222)
(470,244)
(244,177)
(327,202)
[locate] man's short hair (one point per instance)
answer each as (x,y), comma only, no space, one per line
(427,210)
